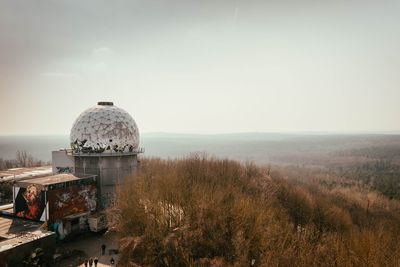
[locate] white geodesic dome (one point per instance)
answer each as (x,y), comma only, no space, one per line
(104,128)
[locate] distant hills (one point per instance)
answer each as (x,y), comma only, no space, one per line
(319,149)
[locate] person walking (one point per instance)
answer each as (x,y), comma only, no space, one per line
(85,262)
(103,249)
(96,260)
(112,261)
(90,262)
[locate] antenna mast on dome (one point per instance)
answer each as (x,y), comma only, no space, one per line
(105,103)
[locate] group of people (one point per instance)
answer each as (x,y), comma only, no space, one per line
(89,262)
(95,260)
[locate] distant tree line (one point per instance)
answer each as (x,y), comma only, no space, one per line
(22,159)
(381,175)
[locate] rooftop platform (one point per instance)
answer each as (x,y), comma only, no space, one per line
(46,181)
(16,232)
(16,174)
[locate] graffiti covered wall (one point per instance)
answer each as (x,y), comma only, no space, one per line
(74,199)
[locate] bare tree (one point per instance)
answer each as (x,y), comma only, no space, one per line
(24,159)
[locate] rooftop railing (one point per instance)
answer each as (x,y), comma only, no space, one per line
(105,153)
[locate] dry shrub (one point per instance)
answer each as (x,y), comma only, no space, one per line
(202,211)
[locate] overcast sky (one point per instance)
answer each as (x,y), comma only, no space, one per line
(202,66)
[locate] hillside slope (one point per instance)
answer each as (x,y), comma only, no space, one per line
(201,211)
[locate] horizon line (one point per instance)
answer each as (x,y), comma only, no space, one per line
(394,132)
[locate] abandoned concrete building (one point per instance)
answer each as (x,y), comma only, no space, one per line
(69,197)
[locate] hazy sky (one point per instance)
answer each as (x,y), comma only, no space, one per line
(202,66)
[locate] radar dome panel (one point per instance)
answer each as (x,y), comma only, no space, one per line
(104,128)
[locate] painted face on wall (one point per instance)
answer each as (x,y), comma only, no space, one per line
(31,194)
(29,203)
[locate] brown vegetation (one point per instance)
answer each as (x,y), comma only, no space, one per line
(203,211)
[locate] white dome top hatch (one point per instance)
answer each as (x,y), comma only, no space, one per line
(104,128)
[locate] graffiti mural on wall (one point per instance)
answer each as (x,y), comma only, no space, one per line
(65,169)
(30,202)
(71,200)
